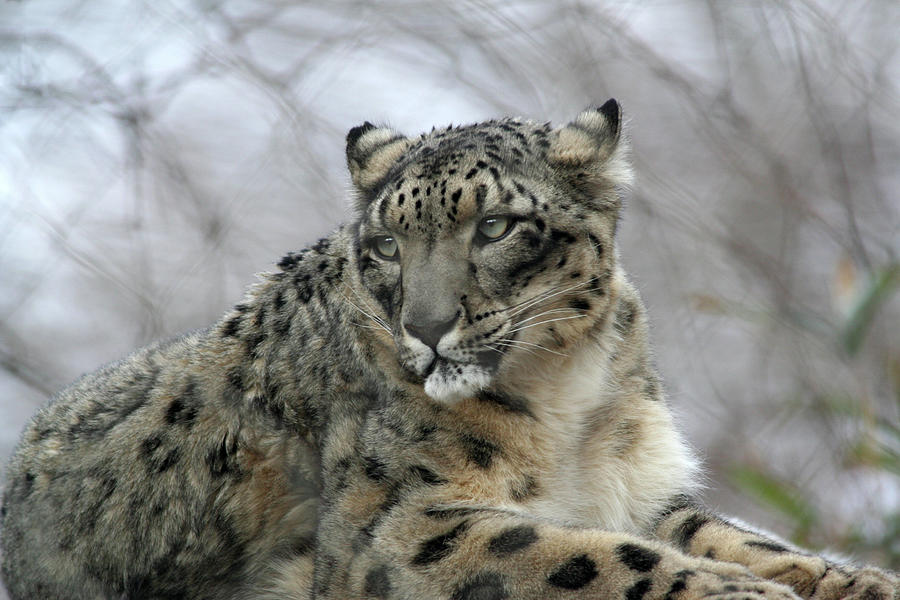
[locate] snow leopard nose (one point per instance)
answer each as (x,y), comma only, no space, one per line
(430,332)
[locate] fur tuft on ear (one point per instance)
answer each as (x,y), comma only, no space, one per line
(371,152)
(591,150)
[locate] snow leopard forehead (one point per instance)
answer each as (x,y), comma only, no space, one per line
(582,157)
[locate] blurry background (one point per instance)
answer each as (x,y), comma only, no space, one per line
(154,155)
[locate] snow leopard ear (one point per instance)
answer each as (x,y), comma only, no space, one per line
(592,152)
(371,153)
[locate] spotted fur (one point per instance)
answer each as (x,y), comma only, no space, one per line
(450,398)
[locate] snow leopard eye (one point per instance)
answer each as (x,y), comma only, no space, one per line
(494,228)
(385,246)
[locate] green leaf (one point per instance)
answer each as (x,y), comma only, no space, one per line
(879,291)
(780,496)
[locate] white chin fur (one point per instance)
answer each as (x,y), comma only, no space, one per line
(447,386)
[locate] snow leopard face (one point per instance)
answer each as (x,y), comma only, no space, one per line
(487,244)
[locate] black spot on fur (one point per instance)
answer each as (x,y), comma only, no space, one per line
(253,342)
(440,546)
(230,328)
(514,404)
(480,196)
(222,458)
(562,237)
(302,546)
(27,485)
(677,503)
(597,244)
(375,469)
(484,586)
(304,288)
(685,532)
(677,586)
(289,261)
(638,590)
(158,462)
(574,574)
(532,239)
(170,460)
(444,514)
(278,301)
(235,378)
(536,243)
(183,409)
(580,304)
(378,585)
(766,545)
(479,451)
(338,473)
(427,475)
(260,317)
(424,433)
(149,445)
(512,540)
(637,557)
(391,501)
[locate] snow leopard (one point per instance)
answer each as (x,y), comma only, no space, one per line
(452,397)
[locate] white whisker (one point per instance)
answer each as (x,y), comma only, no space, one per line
(523,345)
(551,293)
(547,312)
(374,318)
(508,344)
(369,306)
(545,322)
